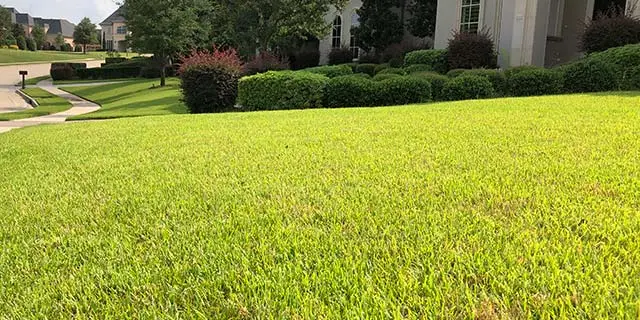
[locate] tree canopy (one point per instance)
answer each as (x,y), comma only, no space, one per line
(379,25)
(85,33)
(5,23)
(423,20)
(59,40)
(37,33)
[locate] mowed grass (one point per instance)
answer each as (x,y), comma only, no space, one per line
(495,209)
(8,56)
(34,81)
(131,99)
(48,104)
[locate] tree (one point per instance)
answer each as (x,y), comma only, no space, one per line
(37,33)
(17,30)
(21,42)
(379,25)
(59,40)
(263,24)
(5,23)
(85,33)
(423,21)
(165,28)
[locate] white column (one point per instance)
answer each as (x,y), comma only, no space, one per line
(528,40)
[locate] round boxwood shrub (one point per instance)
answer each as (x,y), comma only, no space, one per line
(414,68)
(589,75)
(398,71)
(332,71)
(209,80)
(381,67)
(534,82)
(340,56)
(467,87)
(435,59)
(497,78)
(631,79)
(515,70)
(622,58)
(368,68)
(385,76)
(404,90)
(456,72)
(346,92)
(437,83)
(62,72)
(279,90)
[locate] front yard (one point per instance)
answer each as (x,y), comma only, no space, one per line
(504,208)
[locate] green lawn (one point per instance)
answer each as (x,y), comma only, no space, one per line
(131,99)
(34,81)
(495,209)
(48,104)
(8,56)
(63,82)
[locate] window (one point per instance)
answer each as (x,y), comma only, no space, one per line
(354,45)
(121,30)
(336,41)
(470,19)
(556,15)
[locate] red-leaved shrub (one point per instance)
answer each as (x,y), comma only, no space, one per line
(610,29)
(265,61)
(209,80)
(471,51)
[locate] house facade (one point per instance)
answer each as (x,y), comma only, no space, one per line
(52,27)
(114,32)
(526,32)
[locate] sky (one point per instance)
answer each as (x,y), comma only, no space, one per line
(72,10)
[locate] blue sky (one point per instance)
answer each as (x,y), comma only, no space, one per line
(72,10)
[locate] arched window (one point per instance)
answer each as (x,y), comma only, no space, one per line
(336,40)
(354,45)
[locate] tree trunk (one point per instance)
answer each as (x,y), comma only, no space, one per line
(84,48)
(163,73)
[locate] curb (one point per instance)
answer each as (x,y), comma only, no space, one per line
(29,100)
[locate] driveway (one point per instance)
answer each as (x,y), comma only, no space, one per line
(9,100)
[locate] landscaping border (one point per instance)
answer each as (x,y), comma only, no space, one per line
(28,98)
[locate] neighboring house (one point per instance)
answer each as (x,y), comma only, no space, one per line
(526,32)
(52,27)
(114,31)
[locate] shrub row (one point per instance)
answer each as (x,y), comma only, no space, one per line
(282,90)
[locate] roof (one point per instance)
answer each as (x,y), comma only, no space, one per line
(116,16)
(57,26)
(24,18)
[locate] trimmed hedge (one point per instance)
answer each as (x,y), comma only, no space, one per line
(404,90)
(534,82)
(589,75)
(515,70)
(381,67)
(414,68)
(349,92)
(398,71)
(108,61)
(66,70)
(623,59)
(467,87)
(437,83)
(208,89)
(456,72)
(497,78)
(331,71)
(368,68)
(385,76)
(277,90)
(631,79)
(109,73)
(436,59)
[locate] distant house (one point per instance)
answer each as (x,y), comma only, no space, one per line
(114,32)
(52,27)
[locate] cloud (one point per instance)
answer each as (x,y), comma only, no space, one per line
(72,10)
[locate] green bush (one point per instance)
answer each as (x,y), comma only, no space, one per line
(622,58)
(347,92)
(64,72)
(515,70)
(31,44)
(631,79)
(414,68)
(331,71)
(403,90)
(278,90)
(358,75)
(22,42)
(497,78)
(590,75)
(113,60)
(437,83)
(150,72)
(381,67)
(436,59)
(467,87)
(534,82)
(385,76)
(368,68)
(340,56)
(398,71)
(456,72)
(109,73)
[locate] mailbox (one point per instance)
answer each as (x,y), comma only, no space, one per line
(24,73)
